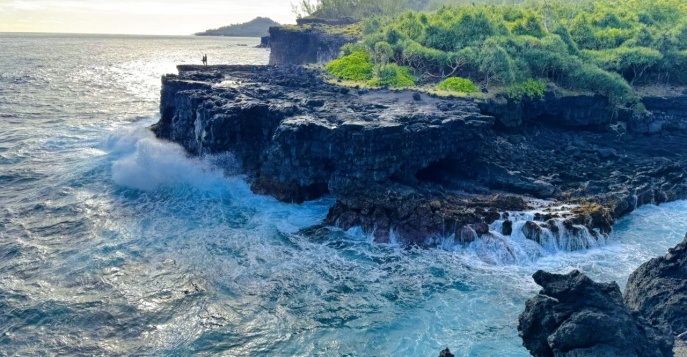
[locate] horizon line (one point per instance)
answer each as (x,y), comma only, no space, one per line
(114,34)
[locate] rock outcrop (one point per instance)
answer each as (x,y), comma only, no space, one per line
(574,316)
(657,290)
(418,168)
(297,45)
(580,111)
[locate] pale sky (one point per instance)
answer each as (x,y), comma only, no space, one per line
(159,17)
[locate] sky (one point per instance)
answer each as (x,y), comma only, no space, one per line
(154,17)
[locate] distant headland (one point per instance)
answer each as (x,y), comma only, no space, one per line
(257,27)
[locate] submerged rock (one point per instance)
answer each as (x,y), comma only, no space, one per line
(446,353)
(574,316)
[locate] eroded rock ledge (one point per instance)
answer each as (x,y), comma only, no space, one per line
(417,168)
(574,316)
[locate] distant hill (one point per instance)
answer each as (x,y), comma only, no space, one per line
(257,27)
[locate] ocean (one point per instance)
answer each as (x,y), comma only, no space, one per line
(115,243)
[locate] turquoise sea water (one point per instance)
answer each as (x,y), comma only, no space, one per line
(115,243)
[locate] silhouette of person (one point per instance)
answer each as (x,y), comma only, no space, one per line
(205,60)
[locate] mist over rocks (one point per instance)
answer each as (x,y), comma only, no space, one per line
(416,172)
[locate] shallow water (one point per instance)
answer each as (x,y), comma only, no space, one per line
(112,242)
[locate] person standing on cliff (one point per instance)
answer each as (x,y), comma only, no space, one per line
(205,60)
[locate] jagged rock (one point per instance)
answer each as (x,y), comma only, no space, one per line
(446,353)
(594,215)
(532,231)
(417,169)
(657,290)
(574,316)
(590,111)
(507,228)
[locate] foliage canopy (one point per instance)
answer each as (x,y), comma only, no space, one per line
(603,46)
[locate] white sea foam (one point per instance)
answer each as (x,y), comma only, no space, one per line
(115,258)
(147,164)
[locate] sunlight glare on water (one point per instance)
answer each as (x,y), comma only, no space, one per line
(113,242)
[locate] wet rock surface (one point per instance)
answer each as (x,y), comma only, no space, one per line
(417,170)
(574,316)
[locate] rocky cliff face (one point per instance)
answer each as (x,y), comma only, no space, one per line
(418,168)
(303,45)
(657,290)
(299,138)
(574,316)
(576,111)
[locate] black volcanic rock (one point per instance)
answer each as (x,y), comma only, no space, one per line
(574,316)
(418,171)
(292,45)
(657,290)
(446,353)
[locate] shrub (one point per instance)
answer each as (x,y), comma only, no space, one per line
(495,63)
(587,76)
(457,84)
(631,62)
(394,76)
(565,36)
(351,48)
(529,26)
(357,66)
(530,88)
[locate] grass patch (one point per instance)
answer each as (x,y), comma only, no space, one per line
(457,84)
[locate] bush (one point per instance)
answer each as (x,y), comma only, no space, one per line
(495,63)
(350,48)
(630,62)
(589,77)
(530,88)
(394,76)
(457,84)
(357,66)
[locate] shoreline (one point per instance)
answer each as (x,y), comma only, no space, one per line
(430,166)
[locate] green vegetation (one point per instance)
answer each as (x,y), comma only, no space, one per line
(602,46)
(356,66)
(257,27)
(359,9)
(393,75)
(457,84)
(531,88)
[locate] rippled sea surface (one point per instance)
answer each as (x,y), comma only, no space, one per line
(115,243)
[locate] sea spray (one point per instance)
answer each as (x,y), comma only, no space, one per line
(199,265)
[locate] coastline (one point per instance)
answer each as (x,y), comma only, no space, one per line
(419,170)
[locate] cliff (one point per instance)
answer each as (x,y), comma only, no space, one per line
(304,44)
(416,168)
(257,27)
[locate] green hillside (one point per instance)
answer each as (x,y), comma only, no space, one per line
(604,46)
